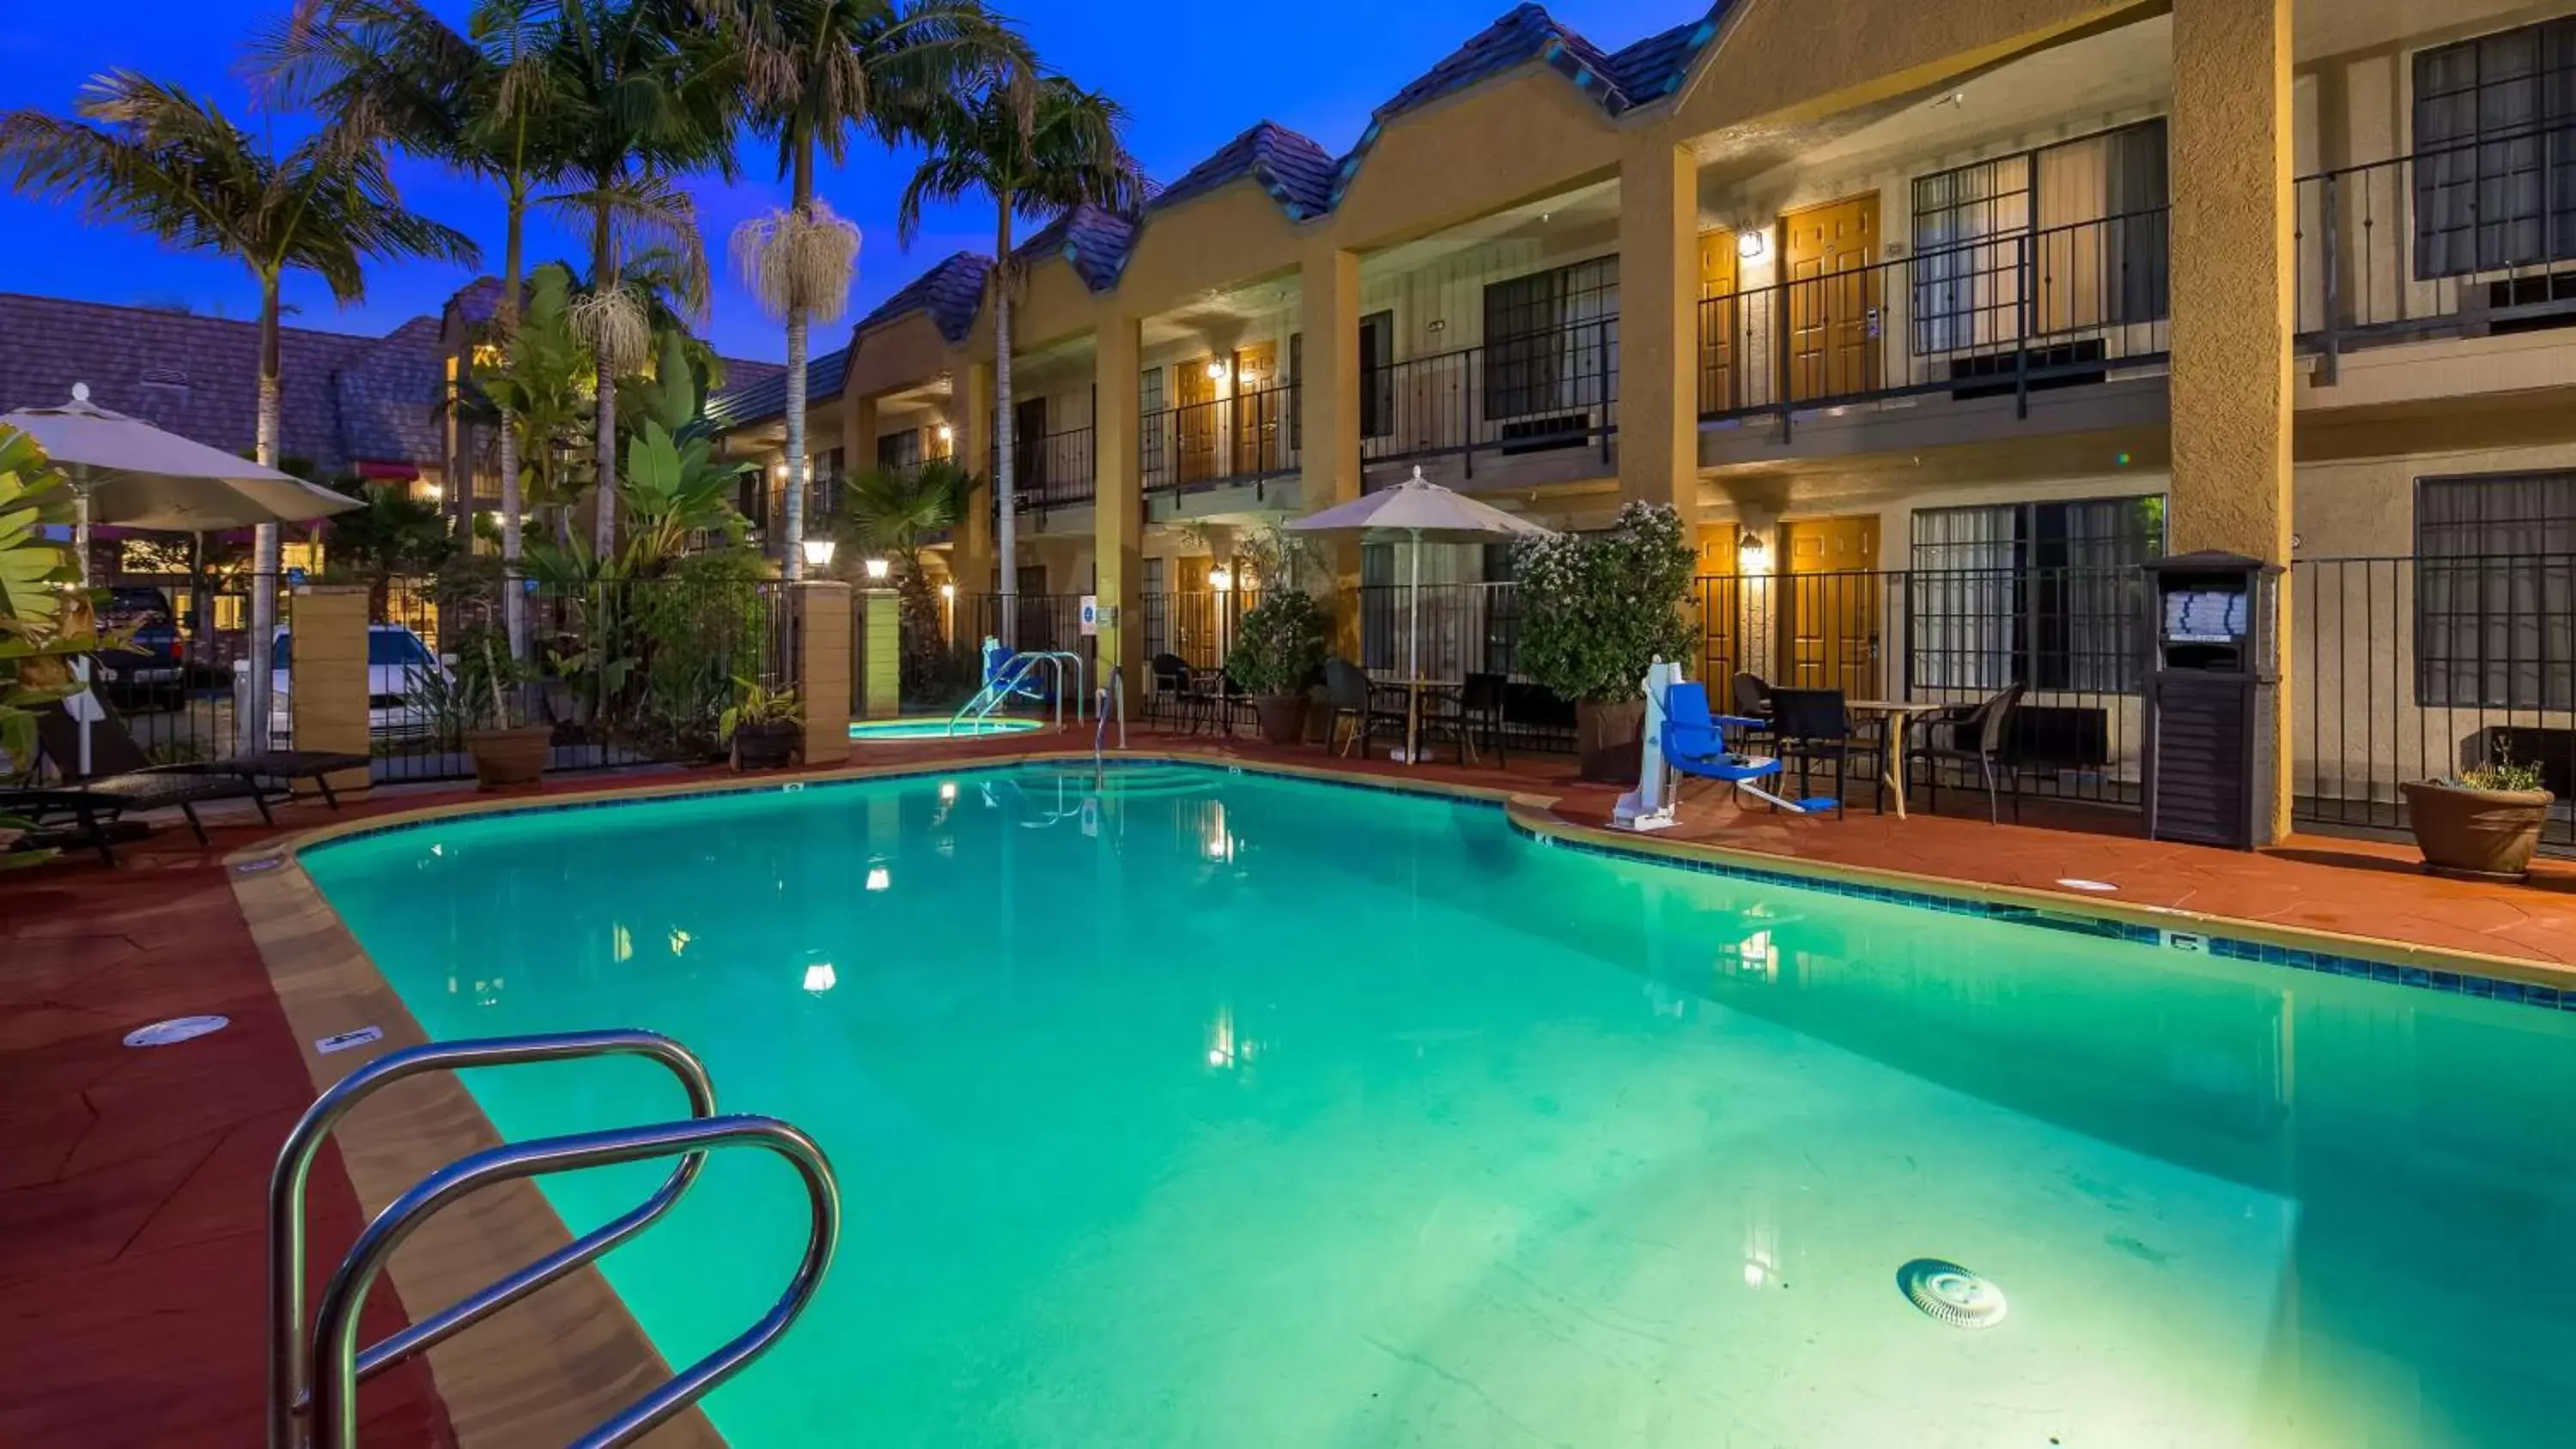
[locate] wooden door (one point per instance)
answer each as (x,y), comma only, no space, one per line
(1720,316)
(1718,590)
(1830,605)
(1193,606)
(1028,446)
(1835,309)
(1194,402)
(1258,421)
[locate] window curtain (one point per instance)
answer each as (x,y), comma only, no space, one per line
(1454,608)
(1551,341)
(2495,591)
(1964,622)
(2495,170)
(1968,230)
(2098,608)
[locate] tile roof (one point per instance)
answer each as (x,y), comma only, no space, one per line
(758,390)
(1297,173)
(1306,180)
(348,400)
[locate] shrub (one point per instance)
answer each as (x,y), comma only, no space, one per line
(1278,643)
(1597,609)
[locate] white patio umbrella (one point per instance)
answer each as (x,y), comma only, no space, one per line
(127,471)
(1419,509)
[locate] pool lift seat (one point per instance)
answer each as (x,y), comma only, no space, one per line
(1010,675)
(1688,739)
(314,1371)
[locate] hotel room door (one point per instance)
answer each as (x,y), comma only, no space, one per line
(1195,396)
(1834,303)
(1830,605)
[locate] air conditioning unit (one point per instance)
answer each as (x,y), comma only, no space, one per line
(1540,435)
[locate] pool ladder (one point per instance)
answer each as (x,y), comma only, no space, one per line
(1014,677)
(313,1377)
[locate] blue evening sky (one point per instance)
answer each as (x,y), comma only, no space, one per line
(1190,77)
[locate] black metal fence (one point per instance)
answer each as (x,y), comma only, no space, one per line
(625,672)
(2477,239)
(1050,471)
(175,686)
(2007,314)
(1245,438)
(1527,394)
(1195,625)
(2415,668)
(1045,622)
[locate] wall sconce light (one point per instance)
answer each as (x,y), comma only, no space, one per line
(1216,372)
(1748,552)
(818,552)
(946,433)
(1220,579)
(878,568)
(778,470)
(432,492)
(948,592)
(1750,244)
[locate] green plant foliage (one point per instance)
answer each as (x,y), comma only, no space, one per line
(757,704)
(894,513)
(393,534)
(2504,772)
(481,690)
(1279,643)
(1598,609)
(675,488)
(545,383)
(38,631)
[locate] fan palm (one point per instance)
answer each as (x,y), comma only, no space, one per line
(166,162)
(896,512)
(1038,151)
(478,100)
(645,90)
(815,70)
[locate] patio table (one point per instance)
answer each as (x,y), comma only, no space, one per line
(1414,690)
(1895,720)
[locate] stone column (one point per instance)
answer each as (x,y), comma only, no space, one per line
(1658,322)
(1328,396)
(970,417)
(823,668)
(2234,295)
(1118,513)
(328,671)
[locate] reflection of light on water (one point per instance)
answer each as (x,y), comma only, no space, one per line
(820,977)
(1220,841)
(679,940)
(621,944)
(1756,956)
(879,878)
(1225,1049)
(947,792)
(1761,1253)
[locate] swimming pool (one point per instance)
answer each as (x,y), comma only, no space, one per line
(936,729)
(1221,1109)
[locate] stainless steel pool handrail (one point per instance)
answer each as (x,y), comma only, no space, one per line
(1014,675)
(335,1324)
(290,1354)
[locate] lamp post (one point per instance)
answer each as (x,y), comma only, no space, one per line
(818,553)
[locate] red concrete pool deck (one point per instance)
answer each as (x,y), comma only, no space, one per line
(132,1182)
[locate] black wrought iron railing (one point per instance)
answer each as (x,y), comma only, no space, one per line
(2416,668)
(2475,239)
(1246,438)
(2007,314)
(1529,393)
(1045,622)
(1048,471)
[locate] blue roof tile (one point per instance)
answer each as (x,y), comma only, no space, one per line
(1293,170)
(950,291)
(1092,239)
(765,396)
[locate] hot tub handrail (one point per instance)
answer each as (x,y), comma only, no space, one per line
(335,1326)
(290,1353)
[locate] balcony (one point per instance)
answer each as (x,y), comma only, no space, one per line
(1053,470)
(2008,314)
(1250,438)
(2465,241)
(1532,394)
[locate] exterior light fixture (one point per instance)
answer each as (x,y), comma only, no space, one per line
(1216,372)
(818,552)
(1748,551)
(778,469)
(877,568)
(948,592)
(1220,579)
(946,433)
(1750,244)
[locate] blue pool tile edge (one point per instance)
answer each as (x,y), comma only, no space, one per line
(2546,998)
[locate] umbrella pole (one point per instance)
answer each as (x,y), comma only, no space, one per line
(1413,658)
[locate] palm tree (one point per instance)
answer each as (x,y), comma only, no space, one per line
(1038,150)
(645,90)
(895,512)
(159,159)
(479,101)
(815,70)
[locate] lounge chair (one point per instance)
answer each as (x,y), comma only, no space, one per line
(74,818)
(114,754)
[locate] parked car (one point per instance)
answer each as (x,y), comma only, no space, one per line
(153,655)
(401,672)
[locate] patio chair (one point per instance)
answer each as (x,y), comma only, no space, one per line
(1481,704)
(1980,734)
(1813,728)
(1694,744)
(1751,695)
(1175,687)
(114,753)
(1353,696)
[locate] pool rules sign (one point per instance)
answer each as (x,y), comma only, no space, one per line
(1090,615)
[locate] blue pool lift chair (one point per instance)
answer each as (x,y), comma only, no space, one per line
(1694,743)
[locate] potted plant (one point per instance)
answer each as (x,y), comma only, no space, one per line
(2482,825)
(764,725)
(1278,646)
(474,698)
(1598,609)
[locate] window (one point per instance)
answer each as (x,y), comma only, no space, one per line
(822,484)
(1296,375)
(899,450)
(1149,437)
(1377,384)
(2043,594)
(2066,238)
(2495,151)
(2495,591)
(1552,341)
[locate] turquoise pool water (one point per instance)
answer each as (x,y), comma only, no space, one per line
(1221,1110)
(935,729)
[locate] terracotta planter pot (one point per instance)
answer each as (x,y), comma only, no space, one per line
(1282,716)
(2484,834)
(503,758)
(766,746)
(1607,738)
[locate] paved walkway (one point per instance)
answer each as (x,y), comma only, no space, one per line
(132,1181)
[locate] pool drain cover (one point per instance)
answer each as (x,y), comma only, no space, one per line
(1950,1293)
(176,1029)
